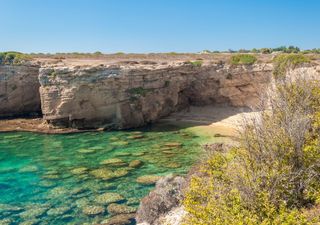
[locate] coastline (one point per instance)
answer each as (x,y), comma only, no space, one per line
(208,121)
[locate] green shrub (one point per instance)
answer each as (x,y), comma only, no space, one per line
(2,57)
(265,50)
(272,177)
(284,62)
(97,53)
(140,91)
(196,63)
(243,59)
(13,58)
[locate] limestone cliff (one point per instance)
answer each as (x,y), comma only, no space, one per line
(19,90)
(125,96)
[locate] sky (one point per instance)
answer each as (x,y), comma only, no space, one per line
(145,26)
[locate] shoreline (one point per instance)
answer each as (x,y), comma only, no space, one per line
(209,121)
(35,125)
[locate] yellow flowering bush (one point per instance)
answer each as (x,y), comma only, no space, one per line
(273,176)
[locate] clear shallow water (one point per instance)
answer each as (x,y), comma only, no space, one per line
(51,179)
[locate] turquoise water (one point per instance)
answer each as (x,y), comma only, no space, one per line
(55,179)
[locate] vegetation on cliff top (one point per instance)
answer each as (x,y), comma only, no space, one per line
(13,58)
(195,63)
(243,59)
(284,62)
(273,176)
(281,49)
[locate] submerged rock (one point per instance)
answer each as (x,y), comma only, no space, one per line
(51,176)
(29,168)
(57,191)
(46,183)
(57,211)
(113,139)
(102,173)
(172,165)
(135,163)
(123,154)
(113,162)
(120,143)
(9,208)
(148,179)
(138,153)
(173,144)
(115,209)
(33,213)
(77,191)
(107,174)
(92,210)
(86,151)
(137,136)
(80,203)
(120,173)
(108,198)
(168,152)
(121,219)
(6,222)
(30,222)
(97,148)
(133,201)
(79,170)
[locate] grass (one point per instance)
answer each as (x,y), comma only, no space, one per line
(196,63)
(243,59)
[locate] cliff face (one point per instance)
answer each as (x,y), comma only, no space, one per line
(121,97)
(124,96)
(19,90)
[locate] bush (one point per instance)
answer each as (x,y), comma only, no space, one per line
(272,177)
(265,50)
(196,63)
(243,59)
(139,91)
(284,62)
(13,58)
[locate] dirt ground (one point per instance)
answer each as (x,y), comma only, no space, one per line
(131,59)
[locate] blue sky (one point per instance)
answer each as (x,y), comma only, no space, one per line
(157,25)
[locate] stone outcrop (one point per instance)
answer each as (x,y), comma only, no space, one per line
(119,97)
(19,90)
(126,95)
(156,207)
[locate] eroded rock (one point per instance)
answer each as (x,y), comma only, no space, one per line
(166,196)
(126,96)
